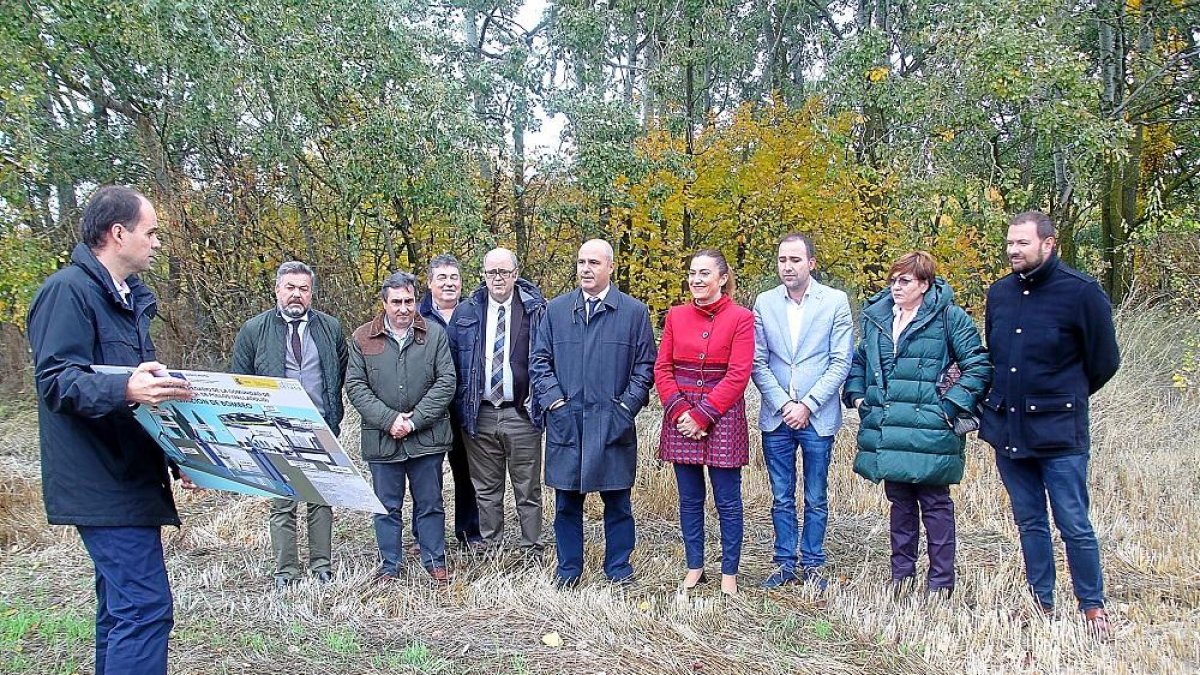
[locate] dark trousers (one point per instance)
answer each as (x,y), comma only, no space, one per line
(466,511)
(134,609)
(424,477)
(619,537)
(1064,481)
(727,494)
(911,505)
(507,443)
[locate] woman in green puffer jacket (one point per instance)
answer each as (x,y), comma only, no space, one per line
(910,333)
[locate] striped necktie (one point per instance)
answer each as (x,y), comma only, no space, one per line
(496,385)
(592,305)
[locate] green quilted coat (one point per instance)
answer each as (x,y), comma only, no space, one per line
(905,435)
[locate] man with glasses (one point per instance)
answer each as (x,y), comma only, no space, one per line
(591,369)
(490,336)
(444,282)
(1051,338)
(294,340)
(803,341)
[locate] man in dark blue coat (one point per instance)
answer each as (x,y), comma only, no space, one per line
(445,291)
(100,471)
(591,369)
(1051,339)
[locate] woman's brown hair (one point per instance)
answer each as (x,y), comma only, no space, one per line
(722,268)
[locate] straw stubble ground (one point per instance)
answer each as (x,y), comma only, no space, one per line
(493,618)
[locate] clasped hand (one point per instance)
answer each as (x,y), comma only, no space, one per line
(688,427)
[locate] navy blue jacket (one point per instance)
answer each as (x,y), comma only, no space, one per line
(99,467)
(604,370)
(466,330)
(1051,339)
(427,310)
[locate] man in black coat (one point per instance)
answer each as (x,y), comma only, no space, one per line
(1052,342)
(100,471)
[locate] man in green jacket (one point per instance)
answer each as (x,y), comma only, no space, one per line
(294,340)
(401,379)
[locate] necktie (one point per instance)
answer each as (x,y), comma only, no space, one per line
(592,304)
(496,386)
(296,350)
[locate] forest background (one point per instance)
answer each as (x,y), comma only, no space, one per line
(364,136)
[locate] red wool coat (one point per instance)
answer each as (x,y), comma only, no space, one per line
(703,367)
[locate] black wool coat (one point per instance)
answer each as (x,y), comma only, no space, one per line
(1051,338)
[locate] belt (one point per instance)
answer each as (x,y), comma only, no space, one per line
(503,405)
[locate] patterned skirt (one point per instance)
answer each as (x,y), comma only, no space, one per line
(727,445)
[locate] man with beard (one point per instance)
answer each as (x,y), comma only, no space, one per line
(591,368)
(294,340)
(101,472)
(803,341)
(1052,342)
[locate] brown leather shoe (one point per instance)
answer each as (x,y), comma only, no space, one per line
(1097,623)
(439,575)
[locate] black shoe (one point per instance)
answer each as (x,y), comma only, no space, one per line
(565,583)
(901,586)
(283,582)
(623,582)
(324,577)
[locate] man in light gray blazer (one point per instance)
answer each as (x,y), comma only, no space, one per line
(803,341)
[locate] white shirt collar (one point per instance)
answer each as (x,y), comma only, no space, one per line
(602,294)
(507,304)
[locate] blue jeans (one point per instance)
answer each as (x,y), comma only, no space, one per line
(1064,480)
(134,609)
(424,477)
(727,494)
(619,537)
(779,451)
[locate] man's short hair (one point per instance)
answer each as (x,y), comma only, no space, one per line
(443,260)
(397,280)
(801,237)
(1045,226)
(108,206)
(296,267)
(919,264)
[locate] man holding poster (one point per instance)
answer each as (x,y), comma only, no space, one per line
(100,471)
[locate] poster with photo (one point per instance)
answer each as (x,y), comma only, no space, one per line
(257,436)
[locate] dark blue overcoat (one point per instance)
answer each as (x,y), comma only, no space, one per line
(604,370)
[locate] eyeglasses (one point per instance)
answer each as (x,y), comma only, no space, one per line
(902,282)
(498,274)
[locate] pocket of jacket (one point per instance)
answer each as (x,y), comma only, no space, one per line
(1051,422)
(560,425)
(370,444)
(991,417)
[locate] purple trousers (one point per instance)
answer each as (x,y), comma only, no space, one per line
(912,504)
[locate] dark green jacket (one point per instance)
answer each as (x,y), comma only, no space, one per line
(385,380)
(258,350)
(905,434)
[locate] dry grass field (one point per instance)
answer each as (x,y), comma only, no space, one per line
(496,616)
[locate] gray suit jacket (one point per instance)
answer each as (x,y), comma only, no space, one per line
(816,366)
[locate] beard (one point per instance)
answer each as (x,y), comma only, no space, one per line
(293,311)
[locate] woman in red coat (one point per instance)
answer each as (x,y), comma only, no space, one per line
(701,373)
